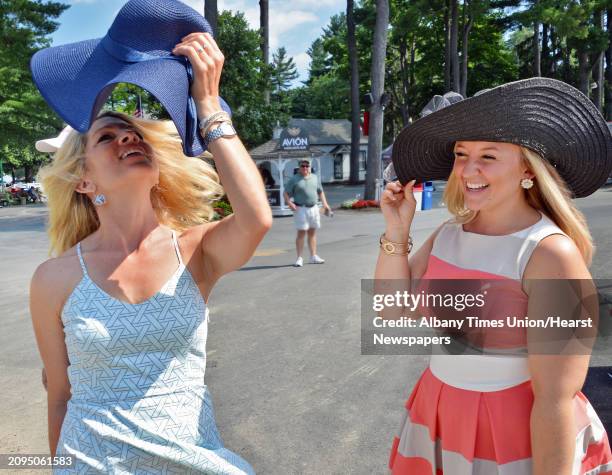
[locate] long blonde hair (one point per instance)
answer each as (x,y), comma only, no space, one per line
(549,194)
(187,185)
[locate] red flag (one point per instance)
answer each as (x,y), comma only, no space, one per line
(139,112)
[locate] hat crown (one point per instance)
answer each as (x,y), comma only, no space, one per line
(155,26)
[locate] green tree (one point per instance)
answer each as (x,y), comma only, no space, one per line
(25,26)
(329,68)
(573,41)
(326,97)
(245,80)
(493,43)
(126,97)
(319,60)
(284,71)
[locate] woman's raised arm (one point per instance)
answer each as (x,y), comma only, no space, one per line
(230,243)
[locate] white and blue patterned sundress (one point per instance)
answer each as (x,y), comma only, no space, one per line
(139,404)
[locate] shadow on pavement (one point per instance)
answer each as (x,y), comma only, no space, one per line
(264,267)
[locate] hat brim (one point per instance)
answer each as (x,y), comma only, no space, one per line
(52,144)
(48,145)
(547,116)
(77,79)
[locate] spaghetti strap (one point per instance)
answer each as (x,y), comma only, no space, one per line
(176,248)
(78,249)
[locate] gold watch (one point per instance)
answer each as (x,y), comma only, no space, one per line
(395,248)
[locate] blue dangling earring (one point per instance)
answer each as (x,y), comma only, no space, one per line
(99,200)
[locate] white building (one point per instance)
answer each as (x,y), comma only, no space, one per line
(327,143)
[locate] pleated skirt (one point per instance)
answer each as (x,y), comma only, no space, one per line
(451,431)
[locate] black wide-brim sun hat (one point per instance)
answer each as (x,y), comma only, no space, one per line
(545,115)
(76,79)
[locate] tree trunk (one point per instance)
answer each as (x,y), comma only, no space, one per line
(598,76)
(467,26)
(609,67)
(598,67)
(567,55)
(355,108)
(397,96)
(264,31)
(404,75)
(379,53)
(412,59)
(210,13)
(545,51)
(584,71)
(447,50)
(537,69)
(454,33)
(554,46)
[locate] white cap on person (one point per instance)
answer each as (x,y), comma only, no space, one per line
(52,145)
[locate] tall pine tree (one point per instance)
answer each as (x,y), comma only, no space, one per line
(284,71)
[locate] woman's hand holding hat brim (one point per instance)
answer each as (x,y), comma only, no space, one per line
(398,206)
(207,62)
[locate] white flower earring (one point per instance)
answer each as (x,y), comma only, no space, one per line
(99,200)
(526,183)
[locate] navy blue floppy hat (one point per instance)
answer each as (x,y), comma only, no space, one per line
(76,79)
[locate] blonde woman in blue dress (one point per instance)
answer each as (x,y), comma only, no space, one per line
(120,312)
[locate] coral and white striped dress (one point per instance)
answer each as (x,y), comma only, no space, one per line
(470,414)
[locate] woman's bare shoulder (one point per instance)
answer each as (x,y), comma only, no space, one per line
(55,278)
(556,257)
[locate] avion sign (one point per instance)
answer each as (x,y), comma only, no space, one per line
(292,138)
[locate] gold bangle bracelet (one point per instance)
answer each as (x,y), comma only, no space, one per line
(395,248)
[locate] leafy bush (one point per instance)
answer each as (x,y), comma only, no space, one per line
(6,198)
(222,208)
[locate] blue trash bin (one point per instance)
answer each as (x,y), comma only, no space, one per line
(428,189)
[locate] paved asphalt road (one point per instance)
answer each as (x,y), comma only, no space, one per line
(292,393)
